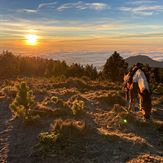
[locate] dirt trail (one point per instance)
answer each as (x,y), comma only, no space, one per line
(5,130)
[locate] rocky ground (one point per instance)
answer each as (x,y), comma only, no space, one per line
(115,135)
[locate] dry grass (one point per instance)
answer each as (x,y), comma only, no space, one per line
(69,128)
(111,98)
(143,158)
(106,132)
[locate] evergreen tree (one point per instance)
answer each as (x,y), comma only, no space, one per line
(23,101)
(91,71)
(114,68)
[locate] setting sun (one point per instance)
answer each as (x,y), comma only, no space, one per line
(31,39)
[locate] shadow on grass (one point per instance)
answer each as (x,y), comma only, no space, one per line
(97,145)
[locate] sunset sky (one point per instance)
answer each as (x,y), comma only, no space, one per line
(71,26)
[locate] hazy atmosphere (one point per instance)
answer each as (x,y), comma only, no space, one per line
(76,30)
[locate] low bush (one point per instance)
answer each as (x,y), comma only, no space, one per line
(77,107)
(23,101)
(22,105)
(69,128)
(48,138)
(54,99)
(54,102)
(62,133)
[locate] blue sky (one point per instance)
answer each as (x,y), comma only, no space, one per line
(126,21)
(145,15)
(89,8)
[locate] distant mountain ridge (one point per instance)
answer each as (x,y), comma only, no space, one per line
(145,60)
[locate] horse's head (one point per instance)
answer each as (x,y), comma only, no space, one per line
(125,77)
(126,81)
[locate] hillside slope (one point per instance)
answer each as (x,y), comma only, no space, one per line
(144,59)
(113,134)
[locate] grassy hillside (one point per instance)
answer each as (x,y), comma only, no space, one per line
(74,120)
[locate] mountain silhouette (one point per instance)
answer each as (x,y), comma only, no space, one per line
(145,60)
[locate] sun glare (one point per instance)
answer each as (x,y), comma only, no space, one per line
(31,39)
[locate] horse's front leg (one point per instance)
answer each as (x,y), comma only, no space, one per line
(130,105)
(130,101)
(140,102)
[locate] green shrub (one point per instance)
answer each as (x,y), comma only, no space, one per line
(19,111)
(77,106)
(54,99)
(62,133)
(23,101)
(63,130)
(54,102)
(48,138)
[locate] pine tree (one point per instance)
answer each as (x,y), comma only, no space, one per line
(23,101)
(114,67)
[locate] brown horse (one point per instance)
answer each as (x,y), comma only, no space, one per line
(138,87)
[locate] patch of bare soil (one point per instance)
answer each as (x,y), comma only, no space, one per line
(5,129)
